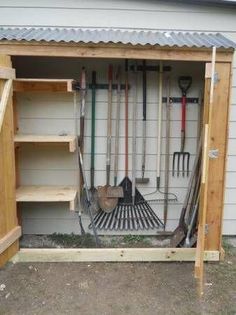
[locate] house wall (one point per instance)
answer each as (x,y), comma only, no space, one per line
(149,15)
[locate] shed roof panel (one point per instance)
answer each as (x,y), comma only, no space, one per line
(133,37)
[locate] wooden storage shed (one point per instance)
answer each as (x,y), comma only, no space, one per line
(24,47)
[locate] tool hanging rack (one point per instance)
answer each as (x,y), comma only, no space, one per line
(133,212)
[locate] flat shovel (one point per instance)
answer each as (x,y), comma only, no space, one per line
(108,195)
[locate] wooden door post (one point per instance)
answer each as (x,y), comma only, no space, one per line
(218,155)
(9,229)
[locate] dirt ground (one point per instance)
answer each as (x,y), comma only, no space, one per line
(117,288)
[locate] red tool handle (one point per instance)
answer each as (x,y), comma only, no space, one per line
(183,121)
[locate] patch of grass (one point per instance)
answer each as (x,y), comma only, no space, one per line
(229,248)
(135,239)
(73,240)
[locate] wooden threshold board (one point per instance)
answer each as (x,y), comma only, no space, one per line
(68,139)
(110,255)
(47,194)
(44,85)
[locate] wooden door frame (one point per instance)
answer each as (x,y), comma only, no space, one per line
(223,60)
(9,229)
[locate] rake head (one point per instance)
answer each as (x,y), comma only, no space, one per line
(180,164)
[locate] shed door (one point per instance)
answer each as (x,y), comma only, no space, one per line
(9,229)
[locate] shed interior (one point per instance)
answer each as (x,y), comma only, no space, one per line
(50,161)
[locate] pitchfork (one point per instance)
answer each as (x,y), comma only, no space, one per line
(184,85)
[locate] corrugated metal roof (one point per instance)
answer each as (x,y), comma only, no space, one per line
(134,37)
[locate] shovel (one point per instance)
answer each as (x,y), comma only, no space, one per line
(93,191)
(142,179)
(181,231)
(108,195)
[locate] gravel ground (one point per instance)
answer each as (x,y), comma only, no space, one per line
(117,288)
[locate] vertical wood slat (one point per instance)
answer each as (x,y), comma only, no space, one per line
(199,262)
(8,219)
(216,114)
(217,167)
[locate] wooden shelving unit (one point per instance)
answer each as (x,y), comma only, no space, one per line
(44,193)
(70,140)
(43,85)
(47,194)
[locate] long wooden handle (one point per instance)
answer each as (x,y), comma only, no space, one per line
(109,126)
(160,122)
(117,126)
(93,129)
(126,117)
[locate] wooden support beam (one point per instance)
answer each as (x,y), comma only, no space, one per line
(43,85)
(7,73)
(10,238)
(217,166)
(8,218)
(6,94)
(111,255)
(47,194)
(111,51)
(47,139)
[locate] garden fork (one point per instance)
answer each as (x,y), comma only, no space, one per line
(184,84)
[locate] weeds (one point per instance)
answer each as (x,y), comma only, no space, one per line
(73,240)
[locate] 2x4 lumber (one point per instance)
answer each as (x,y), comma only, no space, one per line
(69,139)
(8,218)
(5,95)
(208,121)
(43,85)
(112,51)
(10,238)
(7,73)
(217,167)
(111,255)
(47,194)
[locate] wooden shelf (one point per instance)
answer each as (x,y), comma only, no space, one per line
(69,139)
(44,85)
(47,194)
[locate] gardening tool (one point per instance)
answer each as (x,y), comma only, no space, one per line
(181,230)
(144,180)
(132,212)
(134,117)
(167,154)
(126,183)
(184,84)
(78,211)
(88,199)
(82,109)
(117,126)
(167,196)
(93,193)
(81,132)
(193,218)
(108,195)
